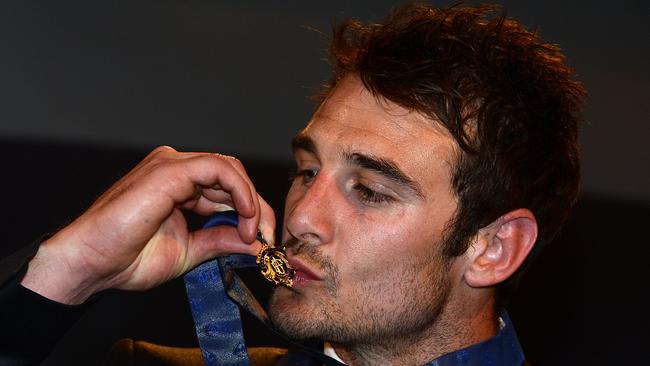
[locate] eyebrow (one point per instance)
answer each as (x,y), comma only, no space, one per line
(384,167)
(303,142)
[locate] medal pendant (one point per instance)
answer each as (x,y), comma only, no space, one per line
(274,265)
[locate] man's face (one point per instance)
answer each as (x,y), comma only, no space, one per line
(364,221)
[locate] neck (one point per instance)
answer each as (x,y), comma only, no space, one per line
(460,325)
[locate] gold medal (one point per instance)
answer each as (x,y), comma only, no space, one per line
(274,265)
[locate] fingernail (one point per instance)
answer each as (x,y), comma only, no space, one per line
(267,234)
(221,207)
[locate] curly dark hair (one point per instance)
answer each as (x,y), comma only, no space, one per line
(505,95)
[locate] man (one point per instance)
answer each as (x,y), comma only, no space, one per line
(441,158)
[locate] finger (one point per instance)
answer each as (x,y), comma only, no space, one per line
(216,195)
(246,223)
(217,192)
(217,241)
(237,165)
(211,170)
(267,221)
(194,199)
(239,168)
(206,207)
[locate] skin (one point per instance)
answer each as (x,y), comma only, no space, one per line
(371,275)
(135,236)
(365,221)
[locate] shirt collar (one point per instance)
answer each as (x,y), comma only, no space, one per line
(503,349)
(328,350)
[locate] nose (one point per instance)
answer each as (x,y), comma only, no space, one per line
(310,211)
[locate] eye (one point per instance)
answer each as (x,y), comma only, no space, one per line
(306,176)
(369,196)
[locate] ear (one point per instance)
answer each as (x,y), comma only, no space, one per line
(500,248)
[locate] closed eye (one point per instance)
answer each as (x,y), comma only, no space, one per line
(369,196)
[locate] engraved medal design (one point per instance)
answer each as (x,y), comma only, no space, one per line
(274,265)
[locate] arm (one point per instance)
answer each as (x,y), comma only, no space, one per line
(31,324)
(135,236)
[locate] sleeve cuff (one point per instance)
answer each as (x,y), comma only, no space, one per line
(31,323)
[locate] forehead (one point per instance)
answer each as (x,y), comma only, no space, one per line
(351,119)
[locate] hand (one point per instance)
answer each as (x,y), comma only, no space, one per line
(135,236)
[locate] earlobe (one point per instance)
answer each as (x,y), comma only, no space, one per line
(500,248)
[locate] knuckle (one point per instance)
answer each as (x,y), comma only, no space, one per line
(163,149)
(160,152)
(237,163)
(233,161)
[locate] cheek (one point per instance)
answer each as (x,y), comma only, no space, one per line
(374,251)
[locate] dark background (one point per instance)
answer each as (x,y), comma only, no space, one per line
(88,88)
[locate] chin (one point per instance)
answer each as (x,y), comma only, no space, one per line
(292,314)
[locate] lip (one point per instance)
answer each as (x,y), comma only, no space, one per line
(303,272)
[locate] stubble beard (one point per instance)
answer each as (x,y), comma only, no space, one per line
(382,313)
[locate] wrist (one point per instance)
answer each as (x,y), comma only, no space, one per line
(54,274)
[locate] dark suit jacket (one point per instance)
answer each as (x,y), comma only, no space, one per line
(32,325)
(29,331)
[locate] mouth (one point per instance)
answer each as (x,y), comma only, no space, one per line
(304,274)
